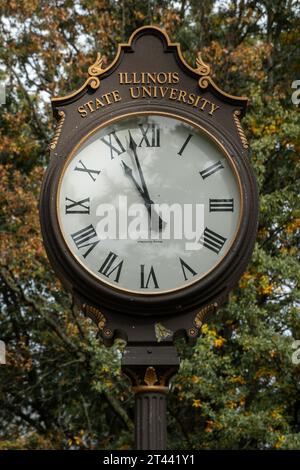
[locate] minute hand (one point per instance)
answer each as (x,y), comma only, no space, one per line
(132,146)
(128,172)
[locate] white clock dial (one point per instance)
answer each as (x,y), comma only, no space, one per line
(121,175)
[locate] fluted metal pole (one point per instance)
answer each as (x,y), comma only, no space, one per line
(150,420)
(150,367)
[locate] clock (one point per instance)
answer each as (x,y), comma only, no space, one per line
(149,204)
(147,209)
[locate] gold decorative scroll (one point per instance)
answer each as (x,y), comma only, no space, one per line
(95,315)
(94,71)
(198,320)
(58,129)
(202,68)
(236,115)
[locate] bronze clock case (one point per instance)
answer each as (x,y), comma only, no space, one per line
(149,50)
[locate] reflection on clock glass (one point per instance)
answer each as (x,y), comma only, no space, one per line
(149,204)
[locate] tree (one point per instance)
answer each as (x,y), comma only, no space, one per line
(238,387)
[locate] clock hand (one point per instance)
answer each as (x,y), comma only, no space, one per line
(133,146)
(128,172)
(148,202)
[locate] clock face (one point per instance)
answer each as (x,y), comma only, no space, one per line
(149,204)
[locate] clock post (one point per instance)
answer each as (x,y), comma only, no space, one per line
(150,368)
(151,130)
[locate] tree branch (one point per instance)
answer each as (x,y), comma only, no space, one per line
(30,302)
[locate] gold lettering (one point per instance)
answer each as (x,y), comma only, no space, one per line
(99,103)
(191,99)
(146,91)
(164,78)
(82,111)
(153,91)
(132,93)
(126,81)
(116,95)
(135,80)
(146,78)
(163,91)
(197,101)
(204,103)
(182,95)
(173,94)
(214,107)
(175,77)
(151,77)
(107,97)
(89,105)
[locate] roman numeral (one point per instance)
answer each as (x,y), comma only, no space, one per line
(221,205)
(108,267)
(155,135)
(78,207)
(114,143)
(82,237)
(185,144)
(185,267)
(150,277)
(87,170)
(211,169)
(212,240)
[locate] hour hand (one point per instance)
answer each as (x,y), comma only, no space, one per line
(148,202)
(128,172)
